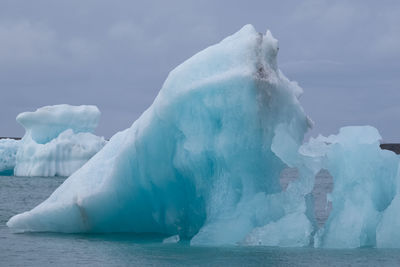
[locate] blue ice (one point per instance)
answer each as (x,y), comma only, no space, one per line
(203,163)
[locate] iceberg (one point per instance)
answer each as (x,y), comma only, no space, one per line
(199,162)
(8,152)
(203,162)
(364,179)
(58,140)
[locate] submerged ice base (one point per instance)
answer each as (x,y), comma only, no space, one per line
(58,140)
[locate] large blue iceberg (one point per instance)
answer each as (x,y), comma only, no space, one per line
(203,162)
(198,162)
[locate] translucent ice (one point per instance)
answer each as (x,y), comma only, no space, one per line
(203,162)
(199,162)
(364,184)
(387,234)
(8,152)
(58,140)
(46,123)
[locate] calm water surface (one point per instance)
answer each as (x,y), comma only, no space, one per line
(20,194)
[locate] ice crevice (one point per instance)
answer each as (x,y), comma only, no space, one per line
(203,163)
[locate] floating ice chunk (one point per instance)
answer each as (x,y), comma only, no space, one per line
(387,234)
(364,177)
(8,152)
(58,140)
(198,162)
(171,239)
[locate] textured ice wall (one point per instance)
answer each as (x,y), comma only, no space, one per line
(8,151)
(198,162)
(387,234)
(364,179)
(58,140)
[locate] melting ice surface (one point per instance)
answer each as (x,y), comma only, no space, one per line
(58,140)
(198,162)
(203,163)
(365,179)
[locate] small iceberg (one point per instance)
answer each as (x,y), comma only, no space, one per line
(58,140)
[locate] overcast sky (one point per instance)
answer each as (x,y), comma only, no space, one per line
(116,55)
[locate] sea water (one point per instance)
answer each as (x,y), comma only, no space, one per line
(18,194)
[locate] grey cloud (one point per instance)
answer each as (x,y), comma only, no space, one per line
(116,54)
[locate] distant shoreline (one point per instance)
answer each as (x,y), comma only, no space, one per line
(15,138)
(395,147)
(392,147)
